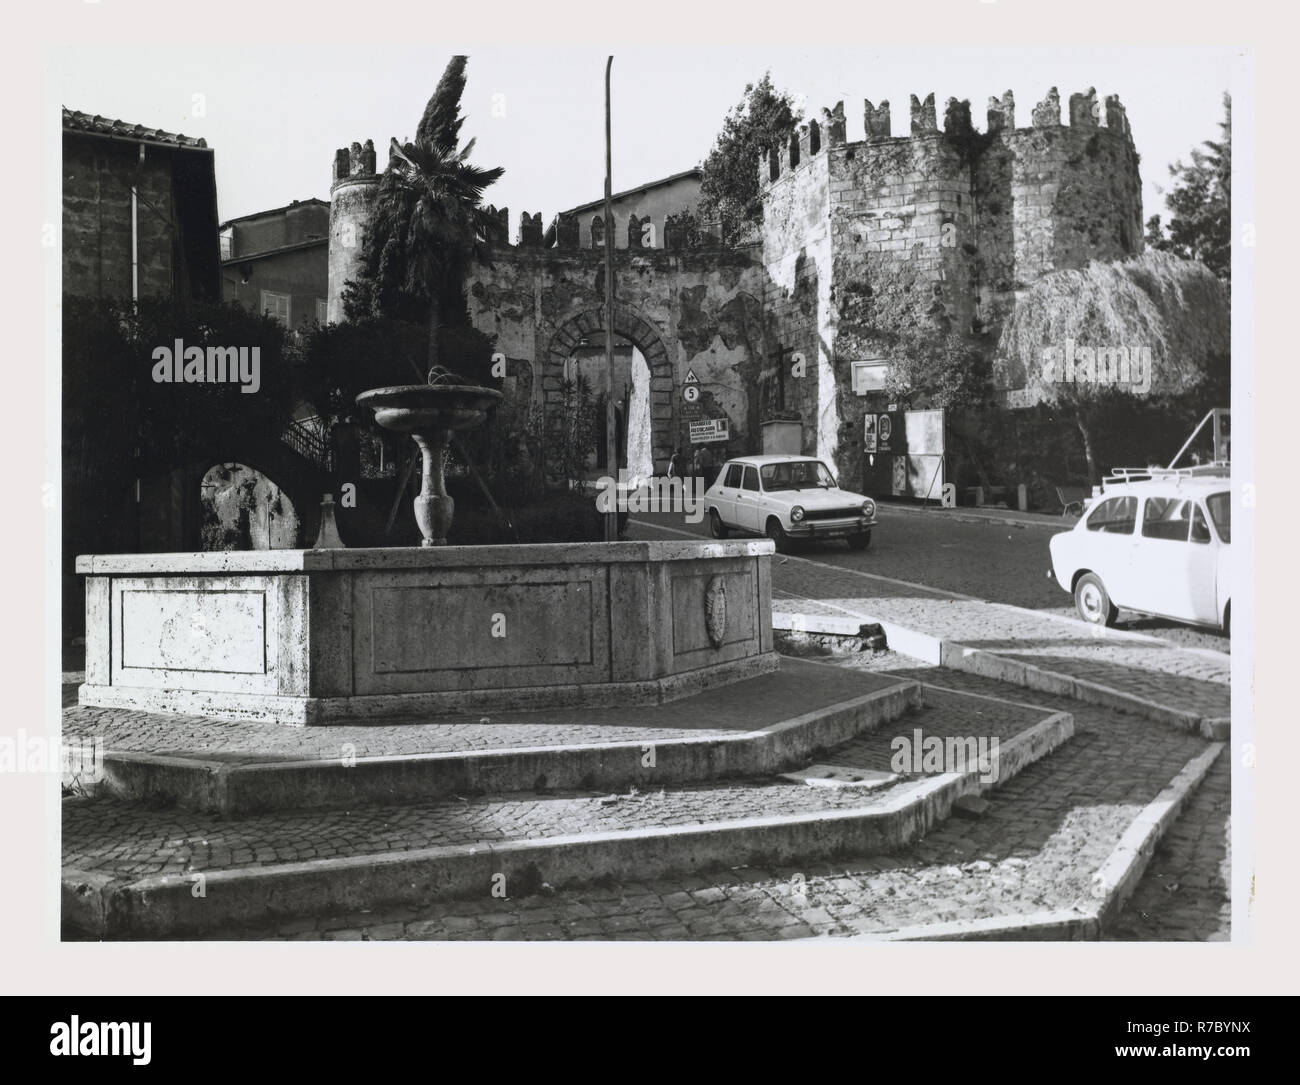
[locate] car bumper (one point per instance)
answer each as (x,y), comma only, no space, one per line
(829,529)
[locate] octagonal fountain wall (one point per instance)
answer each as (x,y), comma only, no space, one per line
(321,636)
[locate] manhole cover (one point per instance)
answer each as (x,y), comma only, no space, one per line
(840,776)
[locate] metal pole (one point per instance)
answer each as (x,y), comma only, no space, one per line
(611,430)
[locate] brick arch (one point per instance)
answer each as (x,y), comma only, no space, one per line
(641,334)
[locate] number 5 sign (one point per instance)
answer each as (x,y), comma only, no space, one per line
(691,393)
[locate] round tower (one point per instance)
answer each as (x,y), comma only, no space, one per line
(352,204)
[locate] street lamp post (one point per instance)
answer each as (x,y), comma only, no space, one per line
(611,435)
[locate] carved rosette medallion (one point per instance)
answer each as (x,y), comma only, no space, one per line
(715,610)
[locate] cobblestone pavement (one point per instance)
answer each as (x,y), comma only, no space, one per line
(757,703)
(1184,895)
(129,840)
(1178,678)
(1044,834)
(1001,562)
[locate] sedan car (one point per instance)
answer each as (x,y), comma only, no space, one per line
(787,498)
(1158,546)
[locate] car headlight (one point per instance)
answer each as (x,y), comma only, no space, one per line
(796,514)
(868,508)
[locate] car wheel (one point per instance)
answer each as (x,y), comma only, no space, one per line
(777,534)
(1092,601)
(1227,620)
(860,542)
(716,527)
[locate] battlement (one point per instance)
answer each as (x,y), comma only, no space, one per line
(353,162)
(1085,112)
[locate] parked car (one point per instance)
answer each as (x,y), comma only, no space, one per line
(1158,545)
(786,498)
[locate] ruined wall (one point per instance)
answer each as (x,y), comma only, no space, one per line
(697,310)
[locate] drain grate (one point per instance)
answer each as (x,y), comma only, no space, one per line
(840,776)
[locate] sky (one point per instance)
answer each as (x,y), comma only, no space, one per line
(275,115)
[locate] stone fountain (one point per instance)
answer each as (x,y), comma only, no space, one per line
(431,413)
(331,634)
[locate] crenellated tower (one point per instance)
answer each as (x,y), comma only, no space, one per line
(352,203)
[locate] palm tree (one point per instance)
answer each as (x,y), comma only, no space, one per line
(429,223)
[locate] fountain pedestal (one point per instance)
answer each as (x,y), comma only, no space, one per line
(431,413)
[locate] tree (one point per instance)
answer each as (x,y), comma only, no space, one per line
(428,223)
(1200,205)
(729,189)
(1092,342)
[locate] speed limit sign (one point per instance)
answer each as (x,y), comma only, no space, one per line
(691,393)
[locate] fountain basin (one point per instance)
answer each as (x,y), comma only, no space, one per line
(321,636)
(426,408)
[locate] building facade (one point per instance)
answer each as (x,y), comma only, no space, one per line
(277,262)
(139,211)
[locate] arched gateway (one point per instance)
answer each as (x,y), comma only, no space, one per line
(589,325)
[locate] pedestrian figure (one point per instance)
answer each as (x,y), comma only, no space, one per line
(677,464)
(704,463)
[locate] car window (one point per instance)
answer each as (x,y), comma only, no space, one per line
(1115,515)
(796,475)
(1200,529)
(751,479)
(1220,506)
(1167,518)
(733,475)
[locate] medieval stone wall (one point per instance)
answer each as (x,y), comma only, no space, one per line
(931,230)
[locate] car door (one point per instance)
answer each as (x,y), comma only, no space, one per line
(749,510)
(1174,572)
(725,498)
(1108,545)
(1207,562)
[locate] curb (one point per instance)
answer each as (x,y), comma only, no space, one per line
(960,657)
(166,906)
(971,515)
(252,787)
(1113,884)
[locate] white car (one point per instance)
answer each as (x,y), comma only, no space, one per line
(1158,546)
(784,498)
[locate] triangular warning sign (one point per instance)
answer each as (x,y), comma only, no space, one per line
(691,378)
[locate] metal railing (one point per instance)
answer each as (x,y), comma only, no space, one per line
(309,444)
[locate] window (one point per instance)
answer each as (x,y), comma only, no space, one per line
(276,305)
(1167,518)
(796,475)
(1115,515)
(869,377)
(1200,529)
(1220,506)
(751,479)
(321,311)
(734,471)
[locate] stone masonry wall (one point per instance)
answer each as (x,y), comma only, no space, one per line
(97,179)
(928,230)
(697,310)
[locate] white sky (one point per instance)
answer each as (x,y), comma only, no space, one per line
(276,115)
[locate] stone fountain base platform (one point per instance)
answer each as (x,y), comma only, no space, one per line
(332,636)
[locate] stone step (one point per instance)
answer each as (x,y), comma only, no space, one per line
(131,872)
(762,725)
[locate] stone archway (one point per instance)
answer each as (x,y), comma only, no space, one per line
(590,325)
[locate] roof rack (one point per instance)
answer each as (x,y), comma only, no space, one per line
(1217,469)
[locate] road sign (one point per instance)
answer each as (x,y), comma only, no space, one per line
(708,430)
(691,393)
(691,378)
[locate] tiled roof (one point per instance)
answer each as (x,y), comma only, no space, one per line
(74,121)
